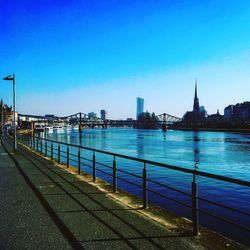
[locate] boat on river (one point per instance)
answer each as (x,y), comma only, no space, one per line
(58,129)
(48,129)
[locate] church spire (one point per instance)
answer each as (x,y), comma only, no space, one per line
(195,92)
(196,107)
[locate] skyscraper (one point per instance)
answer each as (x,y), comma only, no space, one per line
(140,106)
(196,106)
(103,114)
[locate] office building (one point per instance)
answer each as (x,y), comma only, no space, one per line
(140,106)
(103,114)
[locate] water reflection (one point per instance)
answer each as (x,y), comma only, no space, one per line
(103,139)
(140,143)
(164,133)
(80,137)
(196,149)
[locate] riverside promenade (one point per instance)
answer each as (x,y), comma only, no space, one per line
(43,206)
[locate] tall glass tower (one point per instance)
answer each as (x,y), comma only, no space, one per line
(140,106)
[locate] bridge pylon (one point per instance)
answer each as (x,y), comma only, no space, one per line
(164,124)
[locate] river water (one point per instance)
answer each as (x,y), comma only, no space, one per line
(221,153)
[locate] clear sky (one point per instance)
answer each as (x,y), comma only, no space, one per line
(87,55)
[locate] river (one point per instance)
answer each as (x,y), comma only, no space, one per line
(221,153)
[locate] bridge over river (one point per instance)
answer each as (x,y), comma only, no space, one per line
(84,120)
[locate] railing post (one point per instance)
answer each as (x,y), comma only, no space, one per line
(145,190)
(46,149)
(59,151)
(79,160)
(94,169)
(37,145)
(51,151)
(67,156)
(114,176)
(195,207)
(33,142)
(41,146)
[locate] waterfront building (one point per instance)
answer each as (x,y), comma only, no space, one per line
(6,113)
(239,113)
(140,106)
(103,114)
(229,112)
(92,115)
(215,120)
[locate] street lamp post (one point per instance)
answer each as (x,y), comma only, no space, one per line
(12,78)
(2,118)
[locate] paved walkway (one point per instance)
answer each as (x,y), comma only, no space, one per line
(45,207)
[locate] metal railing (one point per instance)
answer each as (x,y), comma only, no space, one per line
(69,153)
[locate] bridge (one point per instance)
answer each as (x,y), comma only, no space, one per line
(167,119)
(83,120)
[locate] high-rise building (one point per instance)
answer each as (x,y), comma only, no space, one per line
(103,114)
(140,106)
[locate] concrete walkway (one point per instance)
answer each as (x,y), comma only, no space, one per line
(45,207)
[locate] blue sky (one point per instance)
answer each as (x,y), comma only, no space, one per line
(71,56)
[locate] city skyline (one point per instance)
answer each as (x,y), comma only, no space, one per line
(102,55)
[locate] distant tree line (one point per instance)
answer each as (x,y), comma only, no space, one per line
(147,121)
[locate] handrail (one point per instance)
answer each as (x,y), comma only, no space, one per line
(181,169)
(35,143)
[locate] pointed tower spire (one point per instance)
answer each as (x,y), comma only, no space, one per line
(195,92)
(196,106)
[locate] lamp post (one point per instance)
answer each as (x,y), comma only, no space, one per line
(12,78)
(2,117)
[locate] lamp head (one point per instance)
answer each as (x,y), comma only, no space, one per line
(8,78)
